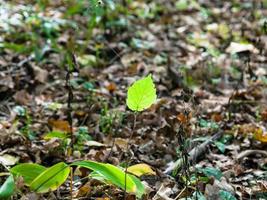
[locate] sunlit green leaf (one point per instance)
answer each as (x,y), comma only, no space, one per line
(139,185)
(111,173)
(51,178)
(142,94)
(28,171)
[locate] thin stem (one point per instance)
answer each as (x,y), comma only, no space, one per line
(70,68)
(69,107)
(128,158)
(71,183)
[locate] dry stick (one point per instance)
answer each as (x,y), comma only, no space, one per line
(128,158)
(194,153)
(179,195)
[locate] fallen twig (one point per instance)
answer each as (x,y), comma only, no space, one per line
(250,152)
(194,154)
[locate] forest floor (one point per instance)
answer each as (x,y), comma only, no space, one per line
(208,60)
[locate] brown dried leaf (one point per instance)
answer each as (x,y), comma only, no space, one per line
(60,125)
(40,74)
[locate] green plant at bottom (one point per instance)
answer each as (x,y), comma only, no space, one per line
(8,188)
(140,96)
(41,179)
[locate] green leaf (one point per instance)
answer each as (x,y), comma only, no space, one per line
(225,195)
(211,171)
(111,173)
(139,185)
(8,188)
(51,178)
(28,171)
(98,177)
(140,189)
(142,94)
(56,134)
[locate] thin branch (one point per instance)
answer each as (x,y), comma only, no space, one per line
(128,157)
(69,107)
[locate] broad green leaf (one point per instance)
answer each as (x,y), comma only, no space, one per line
(7,189)
(111,173)
(140,189)
(98,176)
(140,169)
(139,185)
(51,178)
(142,94)
(28,171)
(225,195)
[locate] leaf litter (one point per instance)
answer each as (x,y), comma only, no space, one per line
(207,60)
